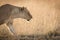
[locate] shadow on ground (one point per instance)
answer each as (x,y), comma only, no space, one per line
(29,37)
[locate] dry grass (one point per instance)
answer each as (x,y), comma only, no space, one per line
(45,16)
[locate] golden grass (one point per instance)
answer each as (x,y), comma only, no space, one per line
(44,12)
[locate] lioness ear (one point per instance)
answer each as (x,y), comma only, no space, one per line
(22,8)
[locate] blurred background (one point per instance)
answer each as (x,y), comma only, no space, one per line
(46,17)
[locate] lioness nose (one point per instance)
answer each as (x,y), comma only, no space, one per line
(28,20)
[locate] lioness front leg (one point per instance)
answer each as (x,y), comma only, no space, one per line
(10,25)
